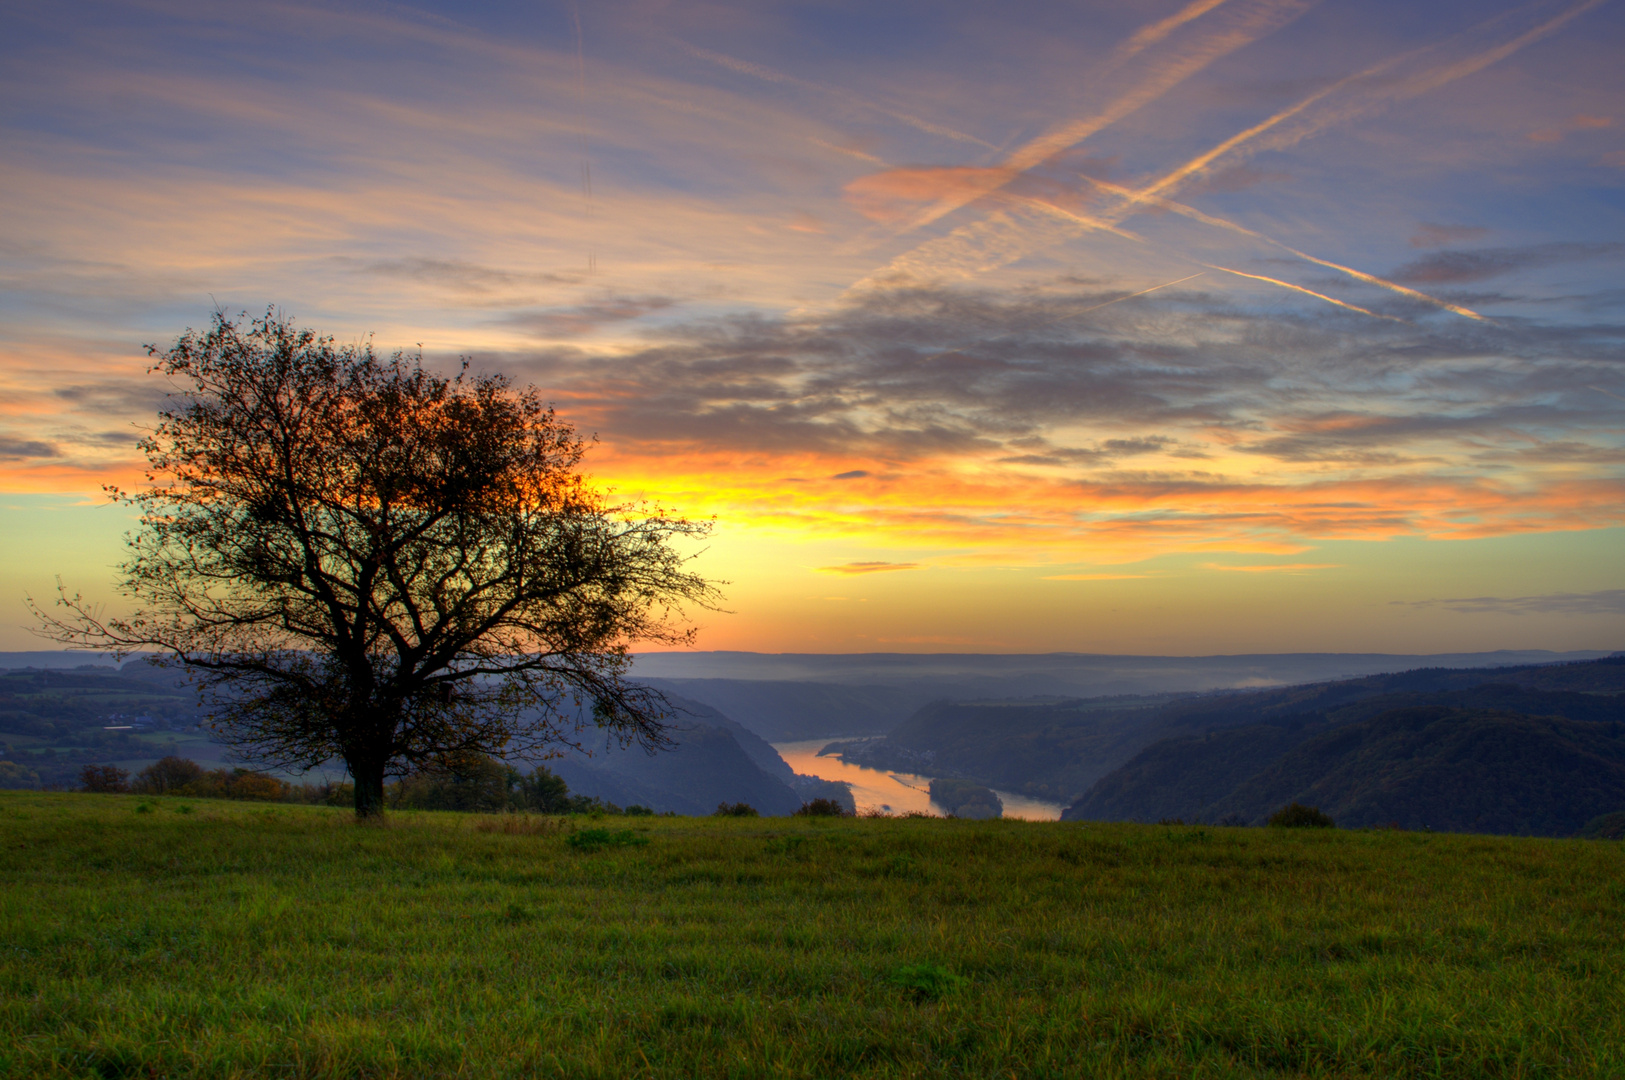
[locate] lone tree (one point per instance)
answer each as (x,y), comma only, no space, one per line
(356,558)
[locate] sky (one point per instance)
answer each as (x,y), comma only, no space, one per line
(1140,326)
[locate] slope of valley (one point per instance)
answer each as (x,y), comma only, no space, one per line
(1534,749)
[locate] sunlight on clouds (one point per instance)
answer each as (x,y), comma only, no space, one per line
(1145,358)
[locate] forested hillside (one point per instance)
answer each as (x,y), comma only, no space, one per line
(54,721)
(1480,763)
(1521,750)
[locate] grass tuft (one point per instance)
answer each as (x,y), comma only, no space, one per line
(598,839)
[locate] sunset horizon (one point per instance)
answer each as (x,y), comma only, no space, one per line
(1215,328)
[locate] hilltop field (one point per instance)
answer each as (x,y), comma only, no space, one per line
(192,938)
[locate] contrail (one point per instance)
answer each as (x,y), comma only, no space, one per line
(581,129)
(1412,87)
(1154,33)
(1011,247)
(1262,18)
(1142,292)
(1371,279)
(1300,288)
(767,74)
(1222,223)
(1064,214)
(1201,162)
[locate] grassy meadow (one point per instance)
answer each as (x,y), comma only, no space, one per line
(151,937)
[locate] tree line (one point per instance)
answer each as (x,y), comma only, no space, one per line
(472,783)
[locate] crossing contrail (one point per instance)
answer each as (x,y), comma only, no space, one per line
(1004,241)
(1223,223)
(1258,19)
(1308,292)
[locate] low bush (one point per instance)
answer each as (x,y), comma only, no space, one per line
(1299,816)
(166,775)
(1606,827)
(104,779)
(15,776)
(966,799)
(822,808)
(738,809)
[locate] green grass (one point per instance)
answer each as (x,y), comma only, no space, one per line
(213,939)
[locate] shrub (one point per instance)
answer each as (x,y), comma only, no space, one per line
(738,809)
(543,792)
(256,786)
(167,774)
(822,808)
(13,775)
(591,805)
(966,799)
(1299,816)
(638,811)
(461,782)
(1606,827)
(104,779)
(340,794)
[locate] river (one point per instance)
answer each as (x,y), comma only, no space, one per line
(895,792)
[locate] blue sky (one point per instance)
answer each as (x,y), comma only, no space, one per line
(1230,325)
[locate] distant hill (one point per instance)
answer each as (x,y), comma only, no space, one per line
(1534,749)
(1046,749)
(1457,770)
(782,710)
(715,760)
(706,768)
(55,720)
(787,697)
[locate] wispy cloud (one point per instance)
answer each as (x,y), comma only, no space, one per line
(1098,394)
(1458,267)
(1580,122)
(1428,234)
(1600,602)
(16,449)
(1096,577)
(855,568)
(1271,568)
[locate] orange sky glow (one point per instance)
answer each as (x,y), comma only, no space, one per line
(1205,327)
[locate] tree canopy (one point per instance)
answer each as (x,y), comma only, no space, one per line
(359,558)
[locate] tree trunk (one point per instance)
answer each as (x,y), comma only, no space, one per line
(369,790)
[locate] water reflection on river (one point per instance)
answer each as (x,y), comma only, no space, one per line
(896,792)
